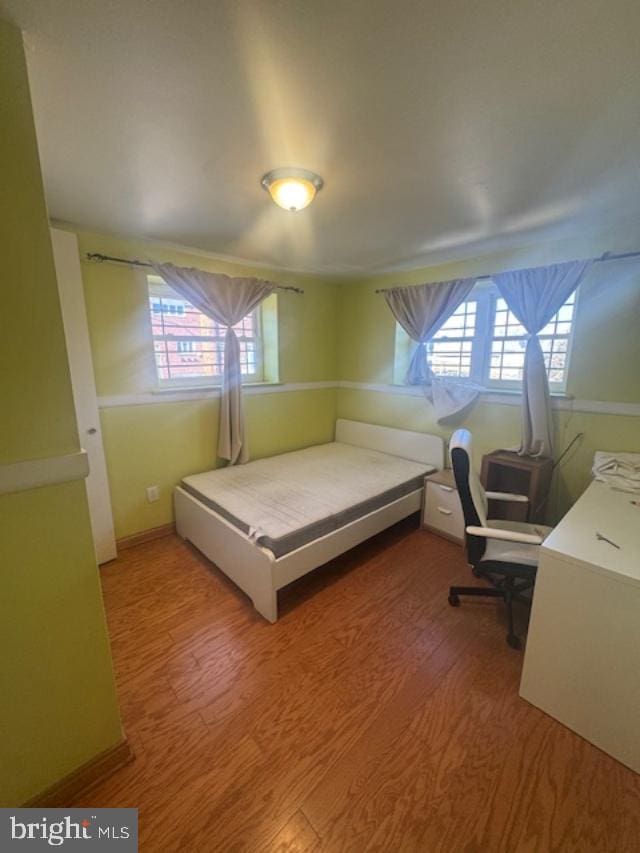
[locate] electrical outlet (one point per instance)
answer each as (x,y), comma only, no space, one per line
(152,494)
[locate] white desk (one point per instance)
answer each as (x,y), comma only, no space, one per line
(582,661)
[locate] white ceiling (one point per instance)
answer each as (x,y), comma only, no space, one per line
(441,127)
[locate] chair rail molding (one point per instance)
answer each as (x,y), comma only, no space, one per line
(490,396)
(186,394)
(48,471)
(508,398)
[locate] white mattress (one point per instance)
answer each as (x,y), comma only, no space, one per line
(284,501)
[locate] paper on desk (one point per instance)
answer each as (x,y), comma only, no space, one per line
(620,471)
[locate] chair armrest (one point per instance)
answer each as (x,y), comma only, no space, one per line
(507,535)
(507,496)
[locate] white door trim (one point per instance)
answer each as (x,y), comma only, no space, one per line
(69,273)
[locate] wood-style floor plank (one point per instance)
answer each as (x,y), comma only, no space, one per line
(371,716)
(297,836)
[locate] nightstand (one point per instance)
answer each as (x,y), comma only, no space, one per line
(442,510)
(506,471)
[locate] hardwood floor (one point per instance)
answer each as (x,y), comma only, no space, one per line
(372,716)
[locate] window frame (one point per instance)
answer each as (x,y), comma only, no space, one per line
(158,289)
(479,350)
(486,295)
(516,384)
(441,337)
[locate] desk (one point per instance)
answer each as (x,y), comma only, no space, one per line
(582,661)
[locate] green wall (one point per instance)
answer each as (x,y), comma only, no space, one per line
(158,443)
(58,706)
(57,701)
(604,362)
(161,443)
(494,425)
(341,331)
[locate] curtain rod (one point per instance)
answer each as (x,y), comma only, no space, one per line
(99,258)
(608,256)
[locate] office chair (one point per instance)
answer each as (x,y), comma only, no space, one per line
(504,553)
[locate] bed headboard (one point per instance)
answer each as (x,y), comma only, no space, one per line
(418,446)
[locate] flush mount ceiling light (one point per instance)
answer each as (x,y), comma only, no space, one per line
(292,189)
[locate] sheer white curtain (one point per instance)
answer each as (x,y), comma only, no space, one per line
(534,296)
(227,301)
(421,310)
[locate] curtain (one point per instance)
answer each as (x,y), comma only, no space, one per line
(421,310)
(534,296)
(227,301)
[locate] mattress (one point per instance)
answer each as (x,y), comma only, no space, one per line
(284,502)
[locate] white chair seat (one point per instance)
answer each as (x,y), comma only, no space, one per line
(503,551)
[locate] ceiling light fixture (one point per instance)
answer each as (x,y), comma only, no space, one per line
(292,189)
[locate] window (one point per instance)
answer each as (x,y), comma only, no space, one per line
(450,349)
(189,346)
(483,341)
(510,340)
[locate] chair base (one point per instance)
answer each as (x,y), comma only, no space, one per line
(504,589)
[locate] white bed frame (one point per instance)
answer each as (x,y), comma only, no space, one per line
(255,569)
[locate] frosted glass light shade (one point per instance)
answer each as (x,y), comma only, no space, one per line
(292,189)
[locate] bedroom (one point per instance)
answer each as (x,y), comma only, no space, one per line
(455,143)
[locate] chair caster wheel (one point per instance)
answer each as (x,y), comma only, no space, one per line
(454,601)
(513,641)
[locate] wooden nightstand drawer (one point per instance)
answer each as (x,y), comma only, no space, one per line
(442,511)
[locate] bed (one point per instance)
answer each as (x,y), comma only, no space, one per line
(267,523)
